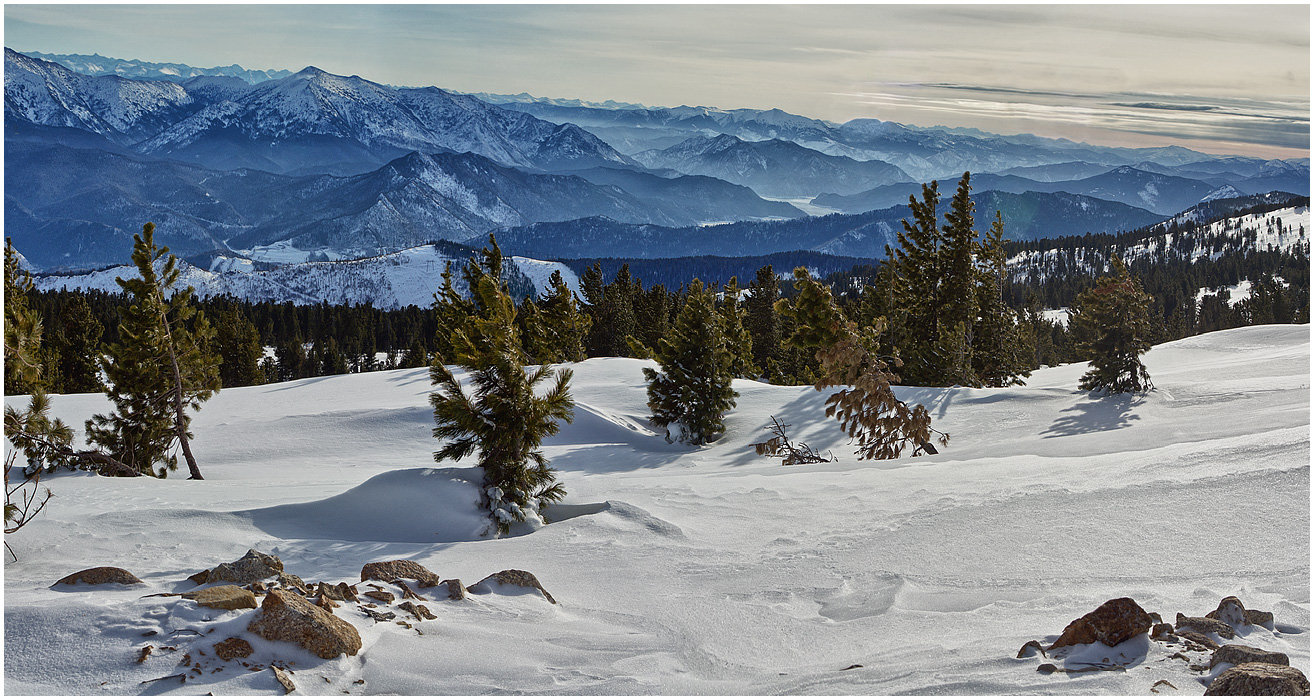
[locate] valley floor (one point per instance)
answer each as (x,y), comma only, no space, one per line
(709,570)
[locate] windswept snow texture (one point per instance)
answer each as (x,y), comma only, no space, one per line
(709,570)
(391,281)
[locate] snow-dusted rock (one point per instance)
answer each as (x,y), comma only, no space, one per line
(389,571)
(233,648)
(1112,623)
(1259,679)
(1231,611)
(420,612)
(287,617)
(453,589)
(1031,648)
(512,577)
(1238,654)
(252,567)
(100,575)
(340,591)
(1205,625)
(223,598)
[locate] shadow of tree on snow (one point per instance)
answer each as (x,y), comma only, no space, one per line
(1096,414)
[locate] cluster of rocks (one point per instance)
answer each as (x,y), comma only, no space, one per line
(303,614)
(1252,671)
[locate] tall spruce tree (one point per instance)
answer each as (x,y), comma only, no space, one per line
(915,320)
(998,353)
(691,394)
(1112,322)
(503,420)
(566,323)
(161,367)
(958,293)
(763,324)
(866,407)
(239,349)
(739,343)
(77,343)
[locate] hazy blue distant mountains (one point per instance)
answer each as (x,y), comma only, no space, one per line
(1026,217)
(311,121)
(1160,193)
(696,197)
(95,65)
(772,168)
(72,207)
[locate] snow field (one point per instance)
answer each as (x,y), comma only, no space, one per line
(687,570)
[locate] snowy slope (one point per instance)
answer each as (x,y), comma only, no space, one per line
(710,570)
(389,281)
(1286,229)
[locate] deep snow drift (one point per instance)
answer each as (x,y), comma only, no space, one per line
(708,570)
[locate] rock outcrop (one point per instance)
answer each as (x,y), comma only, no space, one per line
(1111,624)
(252,567)
(100,575)
(1240,654)
(453,589)
(287,617)
(513,577)
(223,598)
(1259,679)
(389,571)
(1205,625)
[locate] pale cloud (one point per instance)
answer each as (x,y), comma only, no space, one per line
(1208,76)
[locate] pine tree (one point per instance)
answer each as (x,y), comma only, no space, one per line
(998,357)
(867,408)
(763,324)
(239,350)
(77,346)
(451,311)
(739,342)
(915,321)
(161,367)
(567,324)
(1112,321)
(613,316)
(503,419)
(23,329)
(327,359)
(291,359)
(691,394)
(957,285)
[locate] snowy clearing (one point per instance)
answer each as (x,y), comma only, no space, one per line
(706,570)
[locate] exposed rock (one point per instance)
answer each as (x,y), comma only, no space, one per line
(378,616)
(1112,623)
(1259,679)
(1031,645)
(144,653)
(381,596)
(515,577)
(1046,669)
(1195,640)
(1155,688)
(454,589)
(287,617)
(1205,625)
(1241,654)
(199,577)
(252,567)
(389,571)
(408,592)
(257,587)
(325,602)
(223,598)
(1156,619)
(1229,610)
(1162,630)
(101,575)
(233,648)
(293,582)
(284,679)
(419,611)
(1260,618)
(340,591)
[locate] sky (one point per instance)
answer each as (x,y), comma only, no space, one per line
(1216,78)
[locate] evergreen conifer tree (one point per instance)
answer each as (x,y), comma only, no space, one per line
(998,353)
(567,324)
(1112,321)
(763,324)
(739,343)
(958,293)
(239,350)
(161,367)
(866,406)
(77,346)
(502,420)
(691,394)
(915,321)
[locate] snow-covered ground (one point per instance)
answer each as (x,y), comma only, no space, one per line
(708,570)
